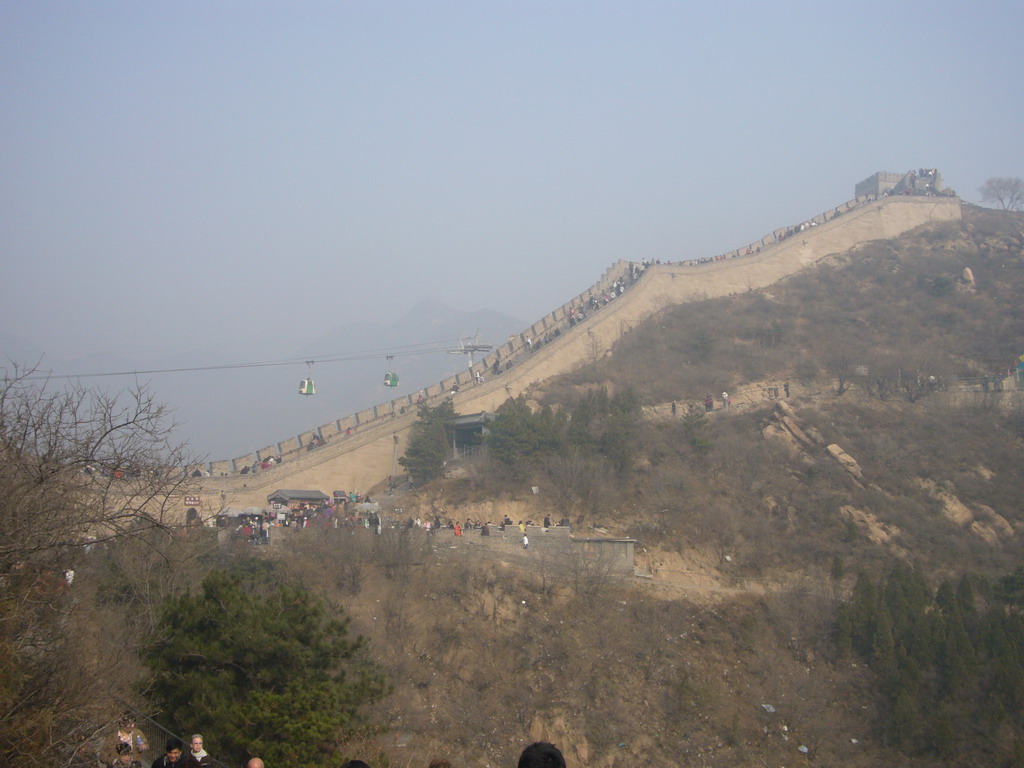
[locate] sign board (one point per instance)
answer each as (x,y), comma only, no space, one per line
(193,501)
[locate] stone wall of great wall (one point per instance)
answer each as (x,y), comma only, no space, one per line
(362,449)
(371,417)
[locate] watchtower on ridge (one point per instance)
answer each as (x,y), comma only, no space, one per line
(924,181)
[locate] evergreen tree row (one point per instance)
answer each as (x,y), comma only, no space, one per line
(948,663)
(598,425)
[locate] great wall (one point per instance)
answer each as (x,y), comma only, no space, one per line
(361,450)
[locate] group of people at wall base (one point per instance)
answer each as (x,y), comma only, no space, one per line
(459,528)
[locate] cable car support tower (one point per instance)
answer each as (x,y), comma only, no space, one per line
(469,346)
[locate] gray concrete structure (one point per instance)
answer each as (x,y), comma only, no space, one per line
(924,181)
(877,183)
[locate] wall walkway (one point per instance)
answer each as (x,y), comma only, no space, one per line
(362,449)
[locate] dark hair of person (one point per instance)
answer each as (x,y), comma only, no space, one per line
(355,764)
(124,749)
(175,743)
(541,755)
(440,764)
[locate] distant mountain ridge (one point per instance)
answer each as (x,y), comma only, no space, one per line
(427,321)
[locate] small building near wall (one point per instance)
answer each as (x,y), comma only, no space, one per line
(615,554)
(466,432)
(289,498)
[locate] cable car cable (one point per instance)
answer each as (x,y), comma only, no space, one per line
(371,354)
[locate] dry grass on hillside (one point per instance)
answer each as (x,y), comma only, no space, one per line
(488,654)
(897,307)
(485,657)
(753,538)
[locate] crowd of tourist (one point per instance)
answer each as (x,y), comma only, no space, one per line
(458,527)
(129,748)
(344,509)
(361,512)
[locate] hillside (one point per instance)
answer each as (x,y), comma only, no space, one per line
(754,537)
(831,577)
(876,323)
(900,302)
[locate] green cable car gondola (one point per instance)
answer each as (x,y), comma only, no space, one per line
(390,379)
(306,386)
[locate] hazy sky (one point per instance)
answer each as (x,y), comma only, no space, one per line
(180,176)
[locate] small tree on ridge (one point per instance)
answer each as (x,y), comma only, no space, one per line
(1008,193)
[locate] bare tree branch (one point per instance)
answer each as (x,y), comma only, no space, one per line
(1008,193)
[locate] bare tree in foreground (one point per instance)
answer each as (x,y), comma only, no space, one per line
(77,468)
(1007,193)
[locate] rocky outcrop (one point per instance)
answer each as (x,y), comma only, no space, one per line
(786,428)
(876,531)
(983,521)
(846,461)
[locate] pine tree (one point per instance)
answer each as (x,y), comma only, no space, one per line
(268,674)
(427,451)
(518,436)
(618,442)
(582,421)
(863,616)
